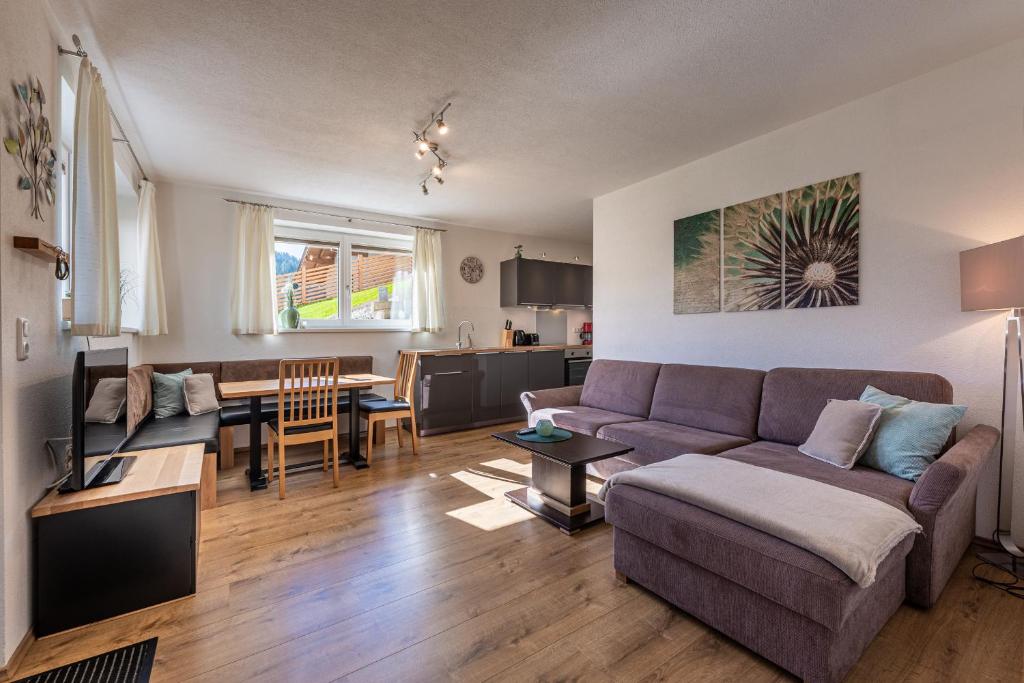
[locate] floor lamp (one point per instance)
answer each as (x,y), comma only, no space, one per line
(992,278)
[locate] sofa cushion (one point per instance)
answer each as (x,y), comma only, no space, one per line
(786,458)
(582,419)
(718,399)
(793,398)
(177,430)
(654,441)
(780,571)
(620,386)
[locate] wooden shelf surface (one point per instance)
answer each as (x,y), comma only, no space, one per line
(156,472)
(37,247)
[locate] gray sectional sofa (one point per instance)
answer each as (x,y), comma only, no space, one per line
(787,604)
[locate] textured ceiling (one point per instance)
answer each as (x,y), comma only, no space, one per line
(554,101)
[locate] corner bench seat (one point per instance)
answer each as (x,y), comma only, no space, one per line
(177,430)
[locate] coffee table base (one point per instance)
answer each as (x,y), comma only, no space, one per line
(568,525)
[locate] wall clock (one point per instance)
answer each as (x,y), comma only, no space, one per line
(472,269)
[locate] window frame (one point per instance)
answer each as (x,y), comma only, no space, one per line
(343,240)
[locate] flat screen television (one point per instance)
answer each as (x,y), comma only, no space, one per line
(99,419)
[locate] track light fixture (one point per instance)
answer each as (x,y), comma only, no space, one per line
(425,145)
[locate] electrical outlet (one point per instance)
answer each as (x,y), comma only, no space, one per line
(21,338)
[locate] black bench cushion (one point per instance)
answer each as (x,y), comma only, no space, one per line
(177,430)
(236,411)
(381,405)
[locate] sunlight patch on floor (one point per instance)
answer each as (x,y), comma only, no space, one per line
(497,512)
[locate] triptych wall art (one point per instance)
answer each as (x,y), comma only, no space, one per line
(795,249)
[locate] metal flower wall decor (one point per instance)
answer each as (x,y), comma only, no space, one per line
(31,146)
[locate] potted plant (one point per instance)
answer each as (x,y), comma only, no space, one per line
(289,315)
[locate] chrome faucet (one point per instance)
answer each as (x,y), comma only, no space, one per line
(469,337)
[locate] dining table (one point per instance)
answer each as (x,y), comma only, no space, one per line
(255,390)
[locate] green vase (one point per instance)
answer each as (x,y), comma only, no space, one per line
(289,318)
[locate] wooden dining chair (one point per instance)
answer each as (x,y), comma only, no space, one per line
(402,407)
(307,411)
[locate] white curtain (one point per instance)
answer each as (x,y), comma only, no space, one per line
(154,305)
(428,296)
(96,266)
(252,302)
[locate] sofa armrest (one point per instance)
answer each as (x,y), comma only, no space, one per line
(551,398)
(943,502)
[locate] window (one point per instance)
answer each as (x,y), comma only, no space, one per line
(328,279)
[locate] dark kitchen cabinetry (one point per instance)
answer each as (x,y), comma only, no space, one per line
(547,370)
(487,386)
(460,391)
(445,392)
(515,379)
(532,282)
(572,284)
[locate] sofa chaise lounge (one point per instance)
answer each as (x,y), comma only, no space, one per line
(787,604)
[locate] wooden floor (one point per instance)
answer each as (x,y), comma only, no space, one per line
(417,570)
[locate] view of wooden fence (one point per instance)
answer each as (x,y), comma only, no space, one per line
(317,284)
(311,284)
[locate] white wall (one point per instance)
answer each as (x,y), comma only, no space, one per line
(942,170)
(196,245)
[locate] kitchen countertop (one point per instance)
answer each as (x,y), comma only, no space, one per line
(492,349)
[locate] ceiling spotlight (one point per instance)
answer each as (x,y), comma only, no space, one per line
(440,180)
(424,147)
(420,154)
(442,127)
(437,170)
(423,186)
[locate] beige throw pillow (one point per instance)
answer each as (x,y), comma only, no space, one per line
(200,394)
(108,400)
(843,432)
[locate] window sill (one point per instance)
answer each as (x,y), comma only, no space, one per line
(320,330)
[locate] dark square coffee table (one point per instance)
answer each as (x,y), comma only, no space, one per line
(559,490)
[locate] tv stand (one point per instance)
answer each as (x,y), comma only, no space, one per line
(105,472)
(117,548)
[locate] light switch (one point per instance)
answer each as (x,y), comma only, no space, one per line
(21,338)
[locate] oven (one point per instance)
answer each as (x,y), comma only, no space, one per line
(577,362)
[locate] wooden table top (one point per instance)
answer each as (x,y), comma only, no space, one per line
(156,472)
(269,387)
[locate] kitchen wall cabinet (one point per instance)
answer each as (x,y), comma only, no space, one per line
(475,389)
(532,282)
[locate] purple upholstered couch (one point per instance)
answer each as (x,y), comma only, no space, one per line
(787,604)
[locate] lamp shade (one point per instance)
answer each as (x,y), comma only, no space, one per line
(992,277)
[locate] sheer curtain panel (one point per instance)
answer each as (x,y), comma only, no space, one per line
(252,302)
(428,297)
(96,266)
(154,305)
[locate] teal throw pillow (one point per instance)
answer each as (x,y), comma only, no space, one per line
(910,434)
(169,393)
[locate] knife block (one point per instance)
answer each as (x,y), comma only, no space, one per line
(506,339)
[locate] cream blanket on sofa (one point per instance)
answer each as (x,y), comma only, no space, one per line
(852,531)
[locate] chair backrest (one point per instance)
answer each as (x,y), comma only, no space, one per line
(307,392)
(406,376)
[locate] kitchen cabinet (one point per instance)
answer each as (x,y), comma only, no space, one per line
(515,379)
(546,370)
(572,284)
(445,392)
(533,282)
(461,391)
(487,386)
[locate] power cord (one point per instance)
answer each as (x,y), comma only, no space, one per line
(1014,586)
(60,465)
